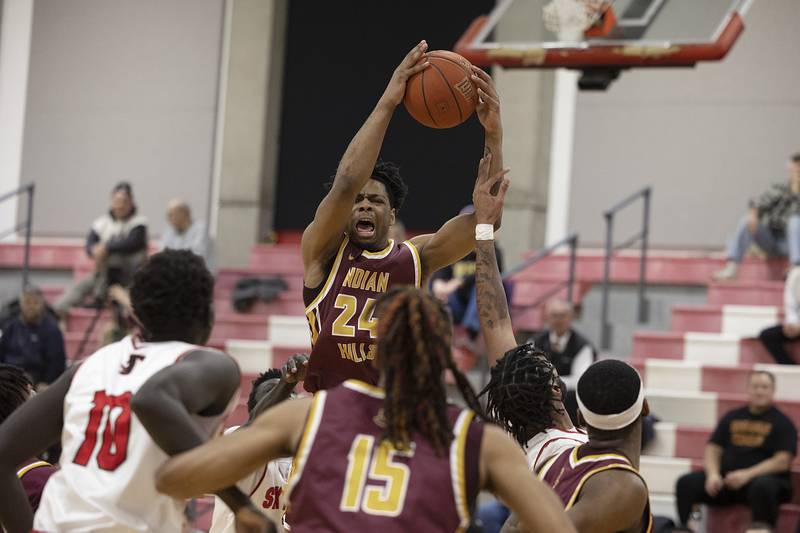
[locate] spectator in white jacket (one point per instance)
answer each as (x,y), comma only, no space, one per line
(183,233)
(774,338)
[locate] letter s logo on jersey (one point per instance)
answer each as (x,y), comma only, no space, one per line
(272,498)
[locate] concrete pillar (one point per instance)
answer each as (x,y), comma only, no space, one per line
(15,43)
(248,124)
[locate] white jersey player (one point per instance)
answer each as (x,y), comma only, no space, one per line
(108,461)
(265,485)
(124,410)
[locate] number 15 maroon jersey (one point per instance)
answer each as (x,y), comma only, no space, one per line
(340,311)
(346,478)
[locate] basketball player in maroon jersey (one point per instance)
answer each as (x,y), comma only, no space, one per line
(394,459)
(599,484)
(348,258)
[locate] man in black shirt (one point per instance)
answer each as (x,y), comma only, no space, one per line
(747,459)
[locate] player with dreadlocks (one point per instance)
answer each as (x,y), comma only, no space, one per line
(596,477)
(390,458)
(15,389)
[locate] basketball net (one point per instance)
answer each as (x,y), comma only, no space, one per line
(569,19)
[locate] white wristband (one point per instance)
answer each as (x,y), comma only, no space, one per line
(484,232)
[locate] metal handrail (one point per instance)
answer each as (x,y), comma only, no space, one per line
(642,307)
(572,241)
(27,225)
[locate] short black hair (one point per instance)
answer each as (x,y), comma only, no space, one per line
(609,387)
(520,392)
(387,173)
(15,389)
(172,295)
(767,373)
(796,158)
(272,373)
(123,186)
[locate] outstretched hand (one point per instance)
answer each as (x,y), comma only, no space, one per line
(410,65)
(295,369)
(489,206)
(488,107)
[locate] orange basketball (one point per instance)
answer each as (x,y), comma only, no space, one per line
(442,95)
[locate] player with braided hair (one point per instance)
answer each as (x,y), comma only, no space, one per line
(390,458)
(15,389)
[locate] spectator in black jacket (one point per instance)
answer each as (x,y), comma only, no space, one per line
(32,341)
(117,242)
(570,352)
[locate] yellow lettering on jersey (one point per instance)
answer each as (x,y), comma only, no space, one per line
(383,282)
(358,277)
(349,277)
(358,352)
(369,284)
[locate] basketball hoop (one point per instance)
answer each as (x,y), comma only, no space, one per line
(569,19)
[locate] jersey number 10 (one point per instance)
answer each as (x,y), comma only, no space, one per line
(114,444)
(378,466)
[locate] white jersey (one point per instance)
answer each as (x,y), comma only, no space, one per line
(265,488)
(550,443)
(106,480)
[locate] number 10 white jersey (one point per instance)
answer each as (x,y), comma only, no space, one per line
(106,480)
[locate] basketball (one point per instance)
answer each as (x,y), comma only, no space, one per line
(442,95)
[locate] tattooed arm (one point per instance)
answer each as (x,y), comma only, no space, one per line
(495,319)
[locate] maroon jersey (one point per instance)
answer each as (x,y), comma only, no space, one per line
(345,478)
(33,477)
(568,471)
(339,312)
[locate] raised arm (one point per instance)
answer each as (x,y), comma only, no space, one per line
(504,472)
(29,431)
(455,239)
(200,471)
(495,319)
(293,370)
(322,237)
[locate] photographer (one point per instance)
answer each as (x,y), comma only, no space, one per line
(117,242)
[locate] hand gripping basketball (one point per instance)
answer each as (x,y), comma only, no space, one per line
(410,65)
(488,107)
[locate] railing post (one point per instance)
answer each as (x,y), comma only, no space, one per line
(28,226)
(644,310)
(605,327)
(573,245)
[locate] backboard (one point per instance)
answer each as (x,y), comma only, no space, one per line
(621,34)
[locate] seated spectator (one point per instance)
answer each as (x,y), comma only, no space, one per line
(32,340)
(774,338)
(570,352)
(15,389)
(117,242)
(772,222)
(183,233)
(747,459)
(455,285)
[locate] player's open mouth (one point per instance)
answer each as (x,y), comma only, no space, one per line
(365,229)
